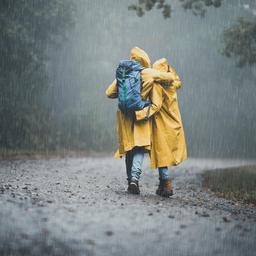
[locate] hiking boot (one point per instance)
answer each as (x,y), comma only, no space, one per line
(165,188)
(133,187)
(160,187)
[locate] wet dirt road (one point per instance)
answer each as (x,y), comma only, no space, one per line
(79,206)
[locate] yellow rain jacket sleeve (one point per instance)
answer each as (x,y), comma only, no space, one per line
(176,83)
(150,75)
(156,97)
(111,91)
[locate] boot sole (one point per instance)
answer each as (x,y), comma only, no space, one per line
(133,189)
(158,192)
(164,193)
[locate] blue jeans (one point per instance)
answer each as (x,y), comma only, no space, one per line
(134,160)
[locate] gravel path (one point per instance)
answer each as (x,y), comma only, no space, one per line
(79,206)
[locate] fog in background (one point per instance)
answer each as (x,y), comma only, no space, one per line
(217,100)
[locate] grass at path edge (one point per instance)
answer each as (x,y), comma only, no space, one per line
(236,183)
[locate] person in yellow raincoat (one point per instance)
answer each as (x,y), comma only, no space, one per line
(168,146)
(135,137)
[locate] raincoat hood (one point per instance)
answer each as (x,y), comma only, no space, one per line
(161,64)
(140,56)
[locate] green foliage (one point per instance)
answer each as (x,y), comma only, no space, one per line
(240,42)
(28,28)
(147,5)
(198,7)
(233,183)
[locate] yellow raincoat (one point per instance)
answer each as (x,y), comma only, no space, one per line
(131,133)
(168,139)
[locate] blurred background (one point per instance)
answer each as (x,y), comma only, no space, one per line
(57,58)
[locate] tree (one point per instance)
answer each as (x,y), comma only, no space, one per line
(28,28)
(239,40)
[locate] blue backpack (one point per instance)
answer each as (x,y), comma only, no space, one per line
(129,85)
